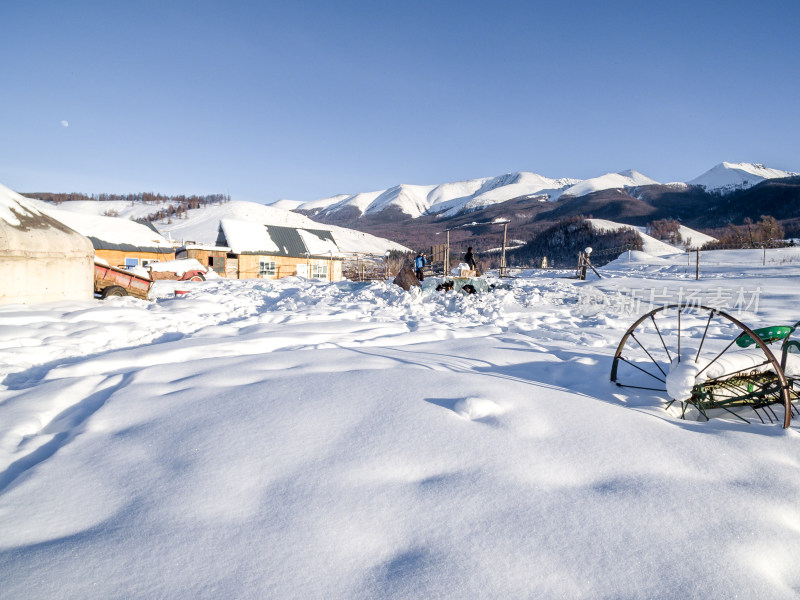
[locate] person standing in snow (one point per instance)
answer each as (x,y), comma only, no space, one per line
(419,264)
(469,258)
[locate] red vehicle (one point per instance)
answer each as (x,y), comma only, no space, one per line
(111,281)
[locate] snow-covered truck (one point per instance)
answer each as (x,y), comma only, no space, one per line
(111,281)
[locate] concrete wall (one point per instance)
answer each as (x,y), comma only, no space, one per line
(32,279)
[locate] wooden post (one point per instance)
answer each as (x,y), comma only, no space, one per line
(581,266)
(697,267)
(503,257)
(447,257)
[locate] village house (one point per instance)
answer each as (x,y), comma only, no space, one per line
(121,242)
(212,257)
(260,251)
(41,259)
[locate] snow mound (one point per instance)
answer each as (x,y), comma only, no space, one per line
(476,408)
(728,177)
(681,377)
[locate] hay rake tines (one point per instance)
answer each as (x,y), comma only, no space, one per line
(707,363)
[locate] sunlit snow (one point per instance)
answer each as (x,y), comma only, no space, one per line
(304,439)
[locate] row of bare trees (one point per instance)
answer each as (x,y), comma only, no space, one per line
(765,232)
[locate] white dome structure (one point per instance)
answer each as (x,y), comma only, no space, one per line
(41,259)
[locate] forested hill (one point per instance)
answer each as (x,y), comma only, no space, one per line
(192,201)
(159,206)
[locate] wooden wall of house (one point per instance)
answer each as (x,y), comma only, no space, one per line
(203,257)
(286,266)
(117,257)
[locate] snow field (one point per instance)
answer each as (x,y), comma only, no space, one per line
(298,439)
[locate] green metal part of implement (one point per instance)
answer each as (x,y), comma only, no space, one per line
(767,335)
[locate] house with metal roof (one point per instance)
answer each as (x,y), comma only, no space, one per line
(121,242)
(259,251)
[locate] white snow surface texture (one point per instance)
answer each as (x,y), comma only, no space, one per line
(302,439)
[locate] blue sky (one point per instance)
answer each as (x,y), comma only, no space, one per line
(302,100)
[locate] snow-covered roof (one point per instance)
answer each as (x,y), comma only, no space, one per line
(245,237)
(208,247)
(27,231)
(111,233)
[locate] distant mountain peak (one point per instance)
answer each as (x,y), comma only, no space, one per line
(609,181)
(727,177)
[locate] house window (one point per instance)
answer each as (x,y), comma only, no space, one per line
(131,262)
(319,271)
(217,263)
(146,262)
(266,267)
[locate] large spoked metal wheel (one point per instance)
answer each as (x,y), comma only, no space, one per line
(702,363)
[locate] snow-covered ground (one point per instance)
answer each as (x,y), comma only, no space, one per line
(300,439)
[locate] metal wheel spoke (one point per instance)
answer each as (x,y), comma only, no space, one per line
(726,409)
(716,357)
(650,355)
(669,356)
(711,316)
(622,358)
(638,387)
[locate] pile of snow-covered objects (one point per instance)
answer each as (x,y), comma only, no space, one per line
(184,269)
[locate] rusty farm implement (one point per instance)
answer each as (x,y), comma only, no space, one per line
(702,362)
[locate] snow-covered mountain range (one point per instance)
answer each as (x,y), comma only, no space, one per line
(446,199)
(450,199)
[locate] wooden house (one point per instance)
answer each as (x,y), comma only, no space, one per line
(121,242)
(213,257)
(260,251)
